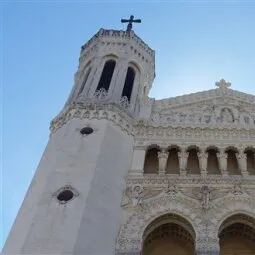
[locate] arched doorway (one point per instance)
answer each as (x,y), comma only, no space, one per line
(169,234)
(237,235)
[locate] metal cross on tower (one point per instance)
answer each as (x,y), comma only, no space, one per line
(130,21)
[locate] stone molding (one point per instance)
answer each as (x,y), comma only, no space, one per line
(154,180)
(149,134)
(187,134)
(204,96)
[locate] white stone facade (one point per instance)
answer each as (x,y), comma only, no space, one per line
(115,200)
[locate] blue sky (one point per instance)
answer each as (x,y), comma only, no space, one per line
(196,44)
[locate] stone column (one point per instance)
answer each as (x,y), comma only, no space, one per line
(91,77)
(162,160)
(138,160)
(203,156)
(183,160)
(222,158)
(207,246)
(120,79)
(242,163)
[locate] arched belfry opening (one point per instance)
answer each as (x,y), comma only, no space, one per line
(232,163)
(106,76)
(151,162)
(212,161)
(237,235)
(169,234)
(129,83)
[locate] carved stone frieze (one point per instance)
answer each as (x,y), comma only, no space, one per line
(110,112)
(150,181)
(218,107)
(186,134)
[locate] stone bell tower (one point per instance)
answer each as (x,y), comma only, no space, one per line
(73,205)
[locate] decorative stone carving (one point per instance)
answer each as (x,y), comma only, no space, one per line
(94,111)
(131,233)
(101,94)
(205,197)
(132,196)
(222,158)
(124,102)
(242,162)
(216,108)
(157,181)
(135,196)
(203,157)
(237,189)
(207,246)
(171,190)
(162,157)
(226,116)
(183,160)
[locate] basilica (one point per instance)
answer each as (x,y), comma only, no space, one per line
(126,174)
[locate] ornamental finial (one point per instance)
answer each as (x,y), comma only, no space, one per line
(222,84)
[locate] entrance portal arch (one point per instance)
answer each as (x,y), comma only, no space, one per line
(169,234)
(237,235)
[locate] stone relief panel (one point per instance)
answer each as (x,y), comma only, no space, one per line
(205,207)
(215,112)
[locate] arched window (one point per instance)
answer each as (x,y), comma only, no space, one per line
(106,76)
(84,81)
(173,166)
(151,161)
(193,161)
(250,153)
(232,163)
(129,82)
(212,161)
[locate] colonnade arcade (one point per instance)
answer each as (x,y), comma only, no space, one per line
(210,160)
(171,234)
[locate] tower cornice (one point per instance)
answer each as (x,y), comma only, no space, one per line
(111,112)
(119,34)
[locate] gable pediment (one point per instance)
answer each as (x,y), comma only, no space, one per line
(212,107)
